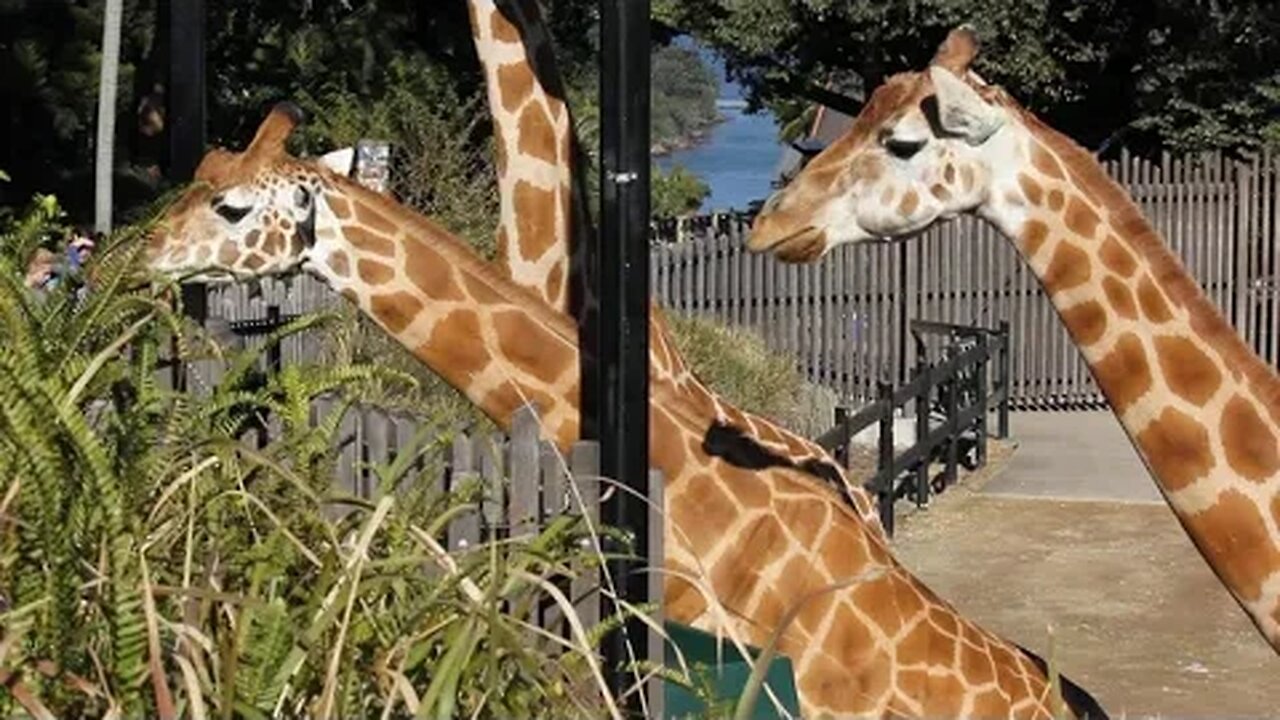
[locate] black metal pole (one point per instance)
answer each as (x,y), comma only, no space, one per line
(622,288)
(185,94)
(185,125)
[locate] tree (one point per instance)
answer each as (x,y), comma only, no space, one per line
(1180,74)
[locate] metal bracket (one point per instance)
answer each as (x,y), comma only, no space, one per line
(623,178)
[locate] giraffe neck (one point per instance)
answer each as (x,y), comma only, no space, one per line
(745,541)
(1200,407)
(537,235)
(533,142)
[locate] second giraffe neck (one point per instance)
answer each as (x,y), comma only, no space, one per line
(1200,407)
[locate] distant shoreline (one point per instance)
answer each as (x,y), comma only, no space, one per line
(690,141)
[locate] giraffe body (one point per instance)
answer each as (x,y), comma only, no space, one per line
(1201,408)
(745,544)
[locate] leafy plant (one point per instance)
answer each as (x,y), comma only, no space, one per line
(155,562)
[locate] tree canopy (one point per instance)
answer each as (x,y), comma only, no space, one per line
(1175,74)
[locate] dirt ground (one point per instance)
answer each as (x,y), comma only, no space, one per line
(1139,619)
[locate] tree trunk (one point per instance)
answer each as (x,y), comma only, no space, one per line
(105,159)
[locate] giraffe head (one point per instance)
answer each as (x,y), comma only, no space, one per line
(920,151)
(247,214)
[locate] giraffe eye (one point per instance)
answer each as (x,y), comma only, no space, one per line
(302,197)
(231,214)
(903,149)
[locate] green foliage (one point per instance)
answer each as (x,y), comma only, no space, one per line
(150,559)
(738,366)
(678,192)
(684,92)
(1180,74)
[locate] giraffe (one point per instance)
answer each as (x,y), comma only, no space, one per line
(868,638)
(543,220)
(1200,407)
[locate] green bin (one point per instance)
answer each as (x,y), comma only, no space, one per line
(729,673)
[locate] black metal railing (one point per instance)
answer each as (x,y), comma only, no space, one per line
(951,392)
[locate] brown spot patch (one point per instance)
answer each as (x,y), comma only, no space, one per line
(703,513)
(1080,218)
(396,310)
(555,285)
(803,516)
(364,240)
(1177,446)
(431,274)
(1034,233)
(1069,268)
(667,456)
(453,344)
(374,273)
(339,263)
(374,220)
(274,242)
(909,203)
(1045,162)
(1152,301)
(949,174)
(1056,200)
(1188,371)
(1120,297)
(843,552)
(890,603)
(535,219)
(1233,536)
(940,192)
(1031,189)
(1086,321)
(515,83)
(339,205)
(537,138)
(251,240)
(228,253)
(254,262)
(531,347)
(1249,443)
(1116,258)
(502,28)
(1124,375)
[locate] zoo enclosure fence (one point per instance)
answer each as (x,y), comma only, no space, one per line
(846,320)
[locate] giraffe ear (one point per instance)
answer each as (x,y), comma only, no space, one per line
(275,130)
(961,110)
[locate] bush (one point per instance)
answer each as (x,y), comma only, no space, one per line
(152,562)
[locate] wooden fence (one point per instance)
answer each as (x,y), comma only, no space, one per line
(846,319)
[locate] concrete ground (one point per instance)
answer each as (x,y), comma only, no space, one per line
(1071,533)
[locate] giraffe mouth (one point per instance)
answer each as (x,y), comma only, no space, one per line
(803,246)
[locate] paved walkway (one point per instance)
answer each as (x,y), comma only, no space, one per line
(1071,533)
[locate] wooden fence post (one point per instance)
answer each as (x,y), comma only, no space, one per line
(884,466)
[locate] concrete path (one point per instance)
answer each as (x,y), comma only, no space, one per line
(1067,534)
(1073,456)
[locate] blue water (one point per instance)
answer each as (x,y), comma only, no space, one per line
(738,160)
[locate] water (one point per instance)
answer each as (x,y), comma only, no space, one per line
(738,160)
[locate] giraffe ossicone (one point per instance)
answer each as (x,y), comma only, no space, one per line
(745,544)
(1201,408)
